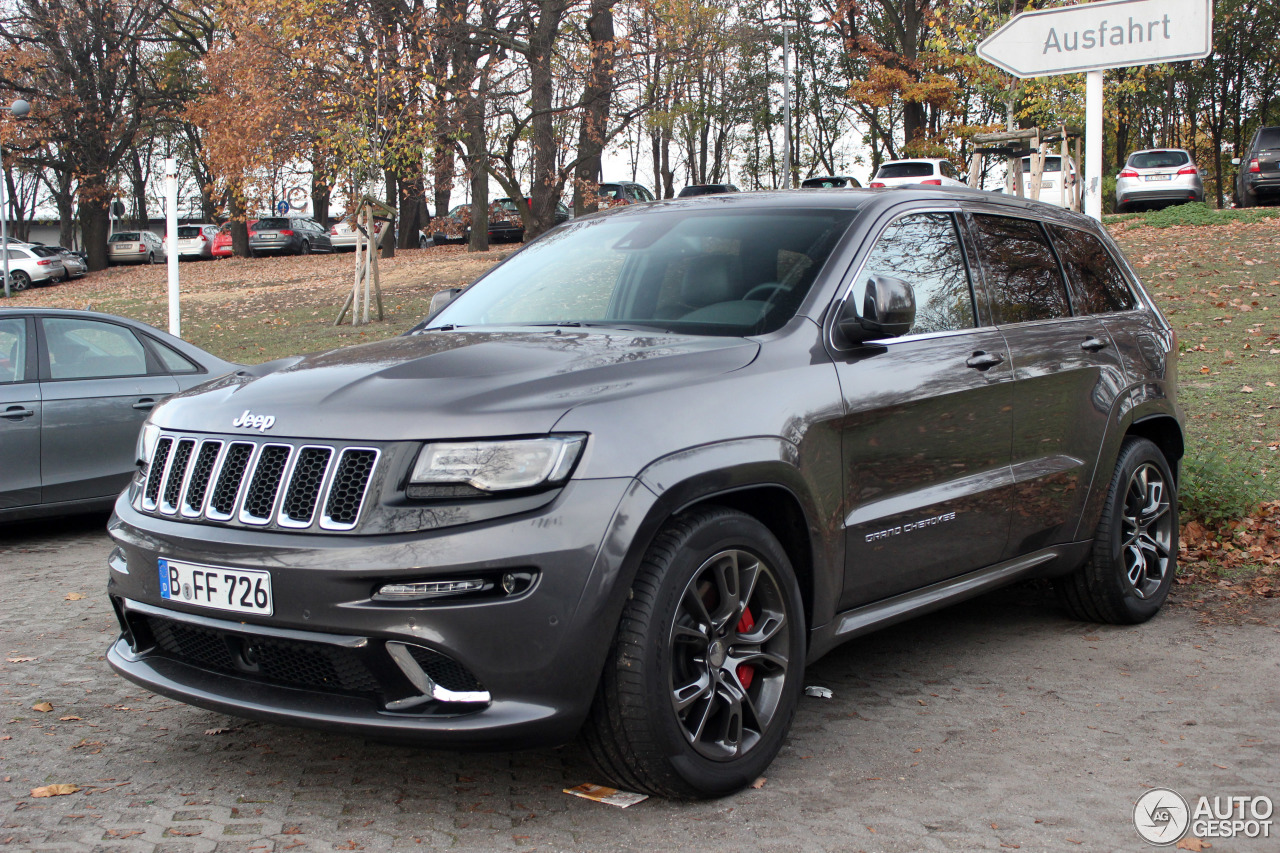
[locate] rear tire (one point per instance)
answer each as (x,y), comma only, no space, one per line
(18,280)
(704,674)
(305,248)
(1135,549)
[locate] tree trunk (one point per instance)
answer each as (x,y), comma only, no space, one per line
(597,102)
(95,223)
(478,151)
(239,225)
(320,191)
(60,189)
(413,211)
(389,241)
(140,218)
(543,192)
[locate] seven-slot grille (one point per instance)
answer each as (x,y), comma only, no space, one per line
(258,483)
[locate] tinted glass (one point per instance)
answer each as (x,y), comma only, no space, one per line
(1269,137)
(923,250)
(1158,159)
(45,252)
(187,232)
(905,170)
(610,191)
(88,349)
(272,222)
(125,237)
(1051,164)
(1022,273)
(173,361)
(17,254)
(1097,285)
(698,271)
(13,350)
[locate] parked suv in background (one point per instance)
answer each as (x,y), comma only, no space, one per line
(898,173)
(639,474)
(288,236)
(1258,178)
(1158,177)
(623,192)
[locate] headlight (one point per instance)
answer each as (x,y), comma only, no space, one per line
(498,466)
(147,439)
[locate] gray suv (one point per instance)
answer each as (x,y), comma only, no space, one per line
(632,480)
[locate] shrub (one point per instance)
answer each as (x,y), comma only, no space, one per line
(1218,485)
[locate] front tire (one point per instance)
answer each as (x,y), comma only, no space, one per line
(704,674)
(1135,549)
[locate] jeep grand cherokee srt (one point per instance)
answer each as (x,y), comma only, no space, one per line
(632,480)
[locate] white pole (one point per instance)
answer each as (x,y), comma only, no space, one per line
(171,241)
(1093,144)
(4,230)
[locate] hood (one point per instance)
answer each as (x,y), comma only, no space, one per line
(457,384)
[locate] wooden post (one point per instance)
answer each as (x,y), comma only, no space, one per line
(975,169)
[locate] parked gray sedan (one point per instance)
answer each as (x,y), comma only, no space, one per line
(75,387)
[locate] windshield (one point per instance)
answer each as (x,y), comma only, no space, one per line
(706,272)
(125,237)
(1158,159)
(905,170)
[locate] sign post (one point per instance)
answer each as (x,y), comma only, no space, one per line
(1091,38)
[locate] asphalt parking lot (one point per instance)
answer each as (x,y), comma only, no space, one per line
(995,725)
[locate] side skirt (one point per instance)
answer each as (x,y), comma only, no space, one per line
(1049,562)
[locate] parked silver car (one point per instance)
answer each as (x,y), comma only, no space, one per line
(196,241)
(1159,177)
(135,247)
(30,264)
(75,387)
(74,262)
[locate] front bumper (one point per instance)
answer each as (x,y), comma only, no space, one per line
(333,657)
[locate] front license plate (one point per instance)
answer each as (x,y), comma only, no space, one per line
(1157,177)
(237,590)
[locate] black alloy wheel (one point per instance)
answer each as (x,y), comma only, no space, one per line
(702,681)
(1135,549)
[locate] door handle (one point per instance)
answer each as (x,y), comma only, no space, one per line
(17,413)
(1092,344)
(984,360)
(146,404)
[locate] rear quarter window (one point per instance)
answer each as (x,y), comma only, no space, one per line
(1097,284)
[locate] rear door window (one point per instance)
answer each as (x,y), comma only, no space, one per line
(13,350)
(1097,284)
(923,249)
(1022,274)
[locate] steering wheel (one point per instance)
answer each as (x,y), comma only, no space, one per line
(765,292)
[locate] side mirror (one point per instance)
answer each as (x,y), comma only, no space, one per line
(888,310)
(1235,161)
(442,299)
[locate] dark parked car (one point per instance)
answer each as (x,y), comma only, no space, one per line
(706,189)
(637,476)
(505,223)
(622,192)
(830,182)
(288,236)
(1258,178)
(75,387)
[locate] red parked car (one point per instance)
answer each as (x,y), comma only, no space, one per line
(222,243)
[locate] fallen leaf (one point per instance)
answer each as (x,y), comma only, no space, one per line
(1192,843)
(1247,390)
(74,596)
(54,790)
(19,660)
(42,707)
(68,719)
(218,731)
(759,783)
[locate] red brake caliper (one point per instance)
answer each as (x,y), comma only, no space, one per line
(746,672)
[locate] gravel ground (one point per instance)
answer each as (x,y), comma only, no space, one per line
(994,725)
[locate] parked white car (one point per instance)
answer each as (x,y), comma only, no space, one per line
(1052,180)
(343,234)
(897,173)
(196,241)
(135,247)
(30,265)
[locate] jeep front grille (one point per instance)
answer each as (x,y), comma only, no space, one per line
(259,484)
